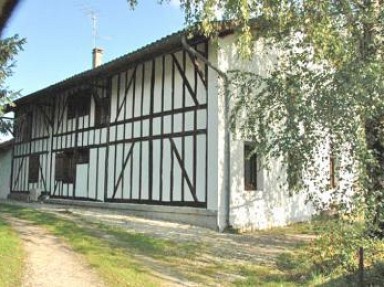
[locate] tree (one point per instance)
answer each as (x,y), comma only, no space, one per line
(9,48)
(328,86)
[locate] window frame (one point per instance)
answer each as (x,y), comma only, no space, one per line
(250,167)
(79,104)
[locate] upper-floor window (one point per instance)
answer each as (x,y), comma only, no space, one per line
(250,167)
(102,111)
(103,105)
(79,104)
(23,126)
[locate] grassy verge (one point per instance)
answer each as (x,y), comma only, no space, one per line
(11,257)
(126,258)
(113,264)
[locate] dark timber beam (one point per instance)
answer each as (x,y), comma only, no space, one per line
(123,169)
(184,172)
(128,86)
(185,80)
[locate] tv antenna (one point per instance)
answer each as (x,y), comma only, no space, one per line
(93,14)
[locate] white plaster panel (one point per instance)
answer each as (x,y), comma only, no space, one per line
(119,160)
(189,121)
(112,133)
(138,92)
(177,122)
(137,129)
(166,170)
(156,170)
(158,85)
(157,126)
(113,102)
(111,170)
(145,127)
(144,171)
(168,84)
(188,165)
(200,167)
(97,136)
(167,124)
(120,132)
(103,135)
(190,75)
(126,189)
(81,180)
(92,173)
(135,176)
(129,94)
(128,130)
(101,171)
(147,88)
(177,175)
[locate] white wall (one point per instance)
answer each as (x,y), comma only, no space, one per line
(5,171)
(269,205)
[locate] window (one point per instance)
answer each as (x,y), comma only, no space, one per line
(79,104)
(33,169)
(250,168)
(23,125)
(102,111)
(65,165)
(102,106)
(82,156)
(334,166)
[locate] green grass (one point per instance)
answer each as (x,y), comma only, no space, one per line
(115,265)
(11,257)
(126,258)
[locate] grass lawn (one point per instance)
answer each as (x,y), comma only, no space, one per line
(11,257)
(126,258)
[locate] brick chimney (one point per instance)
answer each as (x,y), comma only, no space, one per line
(97,57)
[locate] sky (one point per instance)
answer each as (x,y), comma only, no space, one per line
(60,39)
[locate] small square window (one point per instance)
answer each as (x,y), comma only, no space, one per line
(79,104)
(33,169)
(250,168)
(82,156)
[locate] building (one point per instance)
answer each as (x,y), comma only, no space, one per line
(147,133)
(5,168)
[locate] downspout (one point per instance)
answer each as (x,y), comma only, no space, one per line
(227,147)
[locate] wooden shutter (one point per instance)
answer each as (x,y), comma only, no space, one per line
(59,163)
(33,169)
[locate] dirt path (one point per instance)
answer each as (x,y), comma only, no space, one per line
(247,248)
(50,262)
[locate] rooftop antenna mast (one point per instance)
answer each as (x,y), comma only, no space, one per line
(92,13)
(96,52)
(94,26)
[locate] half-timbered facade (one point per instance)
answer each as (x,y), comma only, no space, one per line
(147,130)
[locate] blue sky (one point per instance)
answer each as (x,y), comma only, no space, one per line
(59,35)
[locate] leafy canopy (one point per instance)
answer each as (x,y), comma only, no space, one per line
(9,48)
(326,88)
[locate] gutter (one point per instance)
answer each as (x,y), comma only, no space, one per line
(227,147)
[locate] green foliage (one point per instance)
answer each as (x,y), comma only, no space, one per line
(9,48)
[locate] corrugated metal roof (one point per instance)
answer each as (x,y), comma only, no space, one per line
(160,46)
(166,44)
